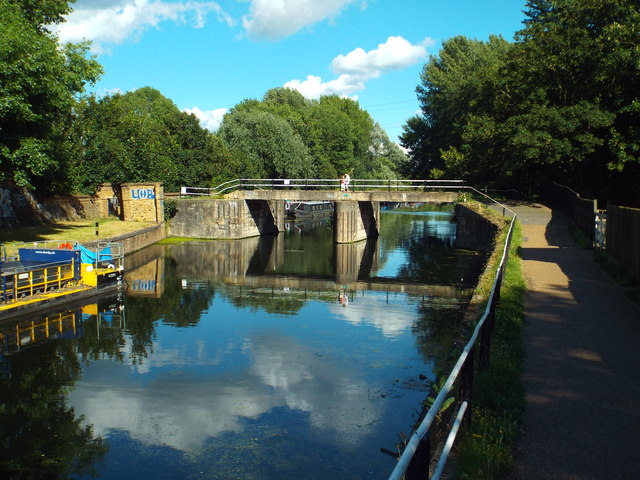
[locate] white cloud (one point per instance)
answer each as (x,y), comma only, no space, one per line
(314,87)
(209,119)
(358,66)
(395,54)
(115,21)
(274,19)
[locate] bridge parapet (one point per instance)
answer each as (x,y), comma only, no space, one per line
(324,184)
(338,196)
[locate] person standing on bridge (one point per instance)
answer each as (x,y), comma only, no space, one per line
(347,179)
(342,183)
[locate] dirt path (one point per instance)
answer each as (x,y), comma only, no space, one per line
(582,362)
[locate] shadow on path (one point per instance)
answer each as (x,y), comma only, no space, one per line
(582,362)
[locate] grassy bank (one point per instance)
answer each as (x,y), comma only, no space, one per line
(486,448)
(79,231)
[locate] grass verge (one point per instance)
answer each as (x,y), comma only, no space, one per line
(486,448)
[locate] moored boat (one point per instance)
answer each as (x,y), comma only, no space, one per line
(309,209)
(39,275)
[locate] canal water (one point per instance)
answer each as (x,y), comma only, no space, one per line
(267,358)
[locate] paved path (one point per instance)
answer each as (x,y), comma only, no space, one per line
(582,362)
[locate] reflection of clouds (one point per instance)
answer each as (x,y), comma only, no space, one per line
(393,320)
(175,356)
(182,411)
(308,382)
(174,410)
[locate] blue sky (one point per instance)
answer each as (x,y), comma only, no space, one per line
(208,56)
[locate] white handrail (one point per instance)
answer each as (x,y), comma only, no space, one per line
(423,428)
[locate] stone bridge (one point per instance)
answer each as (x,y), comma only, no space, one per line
(248,213)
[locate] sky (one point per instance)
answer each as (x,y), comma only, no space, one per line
(209,56)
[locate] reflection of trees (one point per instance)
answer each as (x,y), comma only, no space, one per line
(310,251)
(100,339)
(437,329)
(177,306)
(41,438)
(429,245)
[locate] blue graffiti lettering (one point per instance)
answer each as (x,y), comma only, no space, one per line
(142,194)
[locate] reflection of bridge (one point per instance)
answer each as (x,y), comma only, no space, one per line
(258,262)
(256,207)
(299,282)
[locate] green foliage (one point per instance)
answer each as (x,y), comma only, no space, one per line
(39,82)
(170,209)
(562,102)
(436,388)
(268,142)
(288,135)
(142,136)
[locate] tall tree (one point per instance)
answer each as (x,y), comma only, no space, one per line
(39,81)
(142,136)
(461,83)
(583,58)
(561,102)
(267,141)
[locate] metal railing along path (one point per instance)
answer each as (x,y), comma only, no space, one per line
(463,372)
(319,184)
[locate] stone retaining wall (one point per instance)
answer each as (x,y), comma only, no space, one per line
(474,231)
(138,239)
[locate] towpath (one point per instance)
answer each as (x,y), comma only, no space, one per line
(582,361)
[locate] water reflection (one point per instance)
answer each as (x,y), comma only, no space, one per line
(257,358)
(42,435)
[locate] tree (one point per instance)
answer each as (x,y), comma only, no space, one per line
(39,82)
(463,82)
(385,158)
(561,102)
(582,58)
(267,141)
(142,136)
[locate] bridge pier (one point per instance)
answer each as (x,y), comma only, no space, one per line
(356,220)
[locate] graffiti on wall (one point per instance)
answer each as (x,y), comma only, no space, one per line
(142,194)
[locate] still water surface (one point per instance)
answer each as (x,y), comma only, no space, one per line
(269,358)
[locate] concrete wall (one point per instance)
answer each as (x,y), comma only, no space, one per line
(355,221)
(20,207)
(139,239)
(473,230)
(225,219)
(234,219)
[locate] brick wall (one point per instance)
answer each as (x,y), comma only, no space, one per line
(143,202)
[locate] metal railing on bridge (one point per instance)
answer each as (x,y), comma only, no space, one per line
(356,184)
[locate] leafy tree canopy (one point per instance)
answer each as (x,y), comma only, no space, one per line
(562,102)
(39,83)
(329,136)
(142,136)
